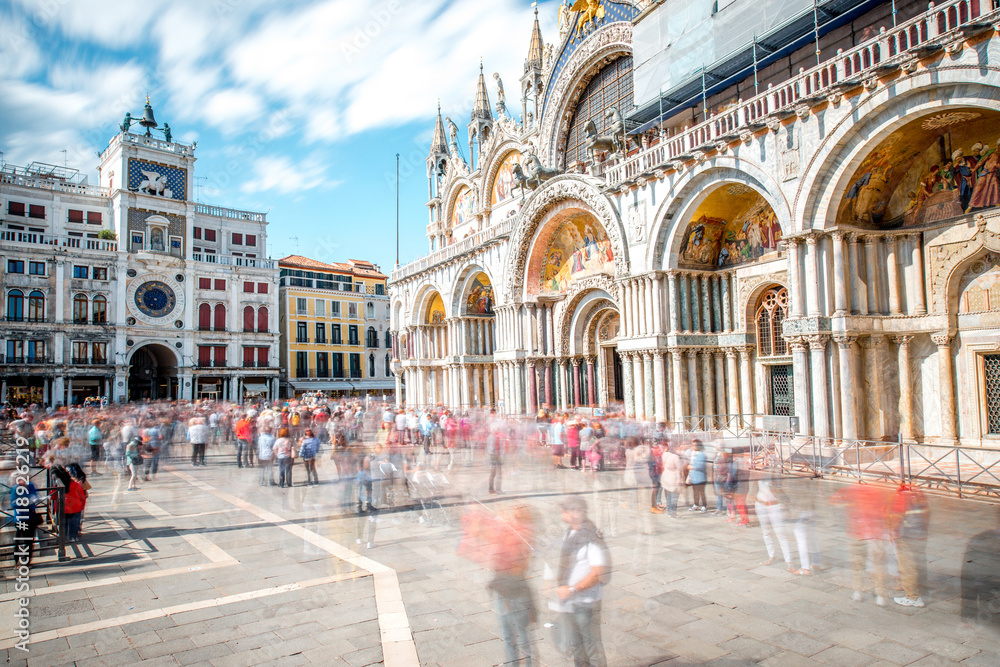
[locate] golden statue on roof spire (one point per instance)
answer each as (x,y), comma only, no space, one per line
(591,11)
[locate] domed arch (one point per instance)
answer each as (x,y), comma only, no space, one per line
(828,174)
(465,189)
(552,205)
(687,194)
(428,296)
(498,166)
(467,281)
(575,311)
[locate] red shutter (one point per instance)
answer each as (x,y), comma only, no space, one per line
(220,355)
(261,288)
(204,355)
(220,285)
(204,316)
(262,319)
(248,287)
(248,357)
(220,317)
(262,359)
(248,318)
(204,283)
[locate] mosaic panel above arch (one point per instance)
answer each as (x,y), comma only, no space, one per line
(733,225)
(980,286)
(479,298)
(577,247)
(932,169)
(504,181)
(435,310)
(463,208)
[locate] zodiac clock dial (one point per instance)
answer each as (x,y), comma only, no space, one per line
(155,299)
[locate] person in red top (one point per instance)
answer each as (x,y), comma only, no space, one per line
(243,440)
(573,442)
(867,507)
(76,501)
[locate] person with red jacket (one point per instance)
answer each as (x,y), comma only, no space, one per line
(243,441)
(76,501)
(867,507)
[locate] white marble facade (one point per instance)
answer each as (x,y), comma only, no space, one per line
(876,345)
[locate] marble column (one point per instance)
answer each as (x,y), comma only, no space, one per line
(905,387)
(659,388)
(532,376)
(746,381)
(627,385)
(685,302)
(794,284)
(560,386)
(694,393)
(648,382)
(800,370)
(706,304)
(577,389)
(892,276)
(548,385)
(639,390)
(872,392)
(540,328)
(674,305)
(645,307)
(917,267)
(519,389)
(821,419)
(623,309)
(657,293)
(717,323)
(946,386)
(871,276)
(477,395)
(812,276)
(720,384)
(840,303)
(591,394)
(707,387)
(732,382)
(848,387)
(677,364)
(727,305)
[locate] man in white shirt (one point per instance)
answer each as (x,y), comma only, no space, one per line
(583,562)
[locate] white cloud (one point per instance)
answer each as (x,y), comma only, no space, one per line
(281,174)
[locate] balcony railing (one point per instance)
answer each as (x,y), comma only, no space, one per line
(256,364)
(229,213)
(848,69)
(34,239)
(228,260)
(153,142)
(499,231)
(4,359)
(48,184)
(214,363)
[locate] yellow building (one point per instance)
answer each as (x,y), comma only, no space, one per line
(334,323)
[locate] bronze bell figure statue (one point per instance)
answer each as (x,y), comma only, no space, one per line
(148,121)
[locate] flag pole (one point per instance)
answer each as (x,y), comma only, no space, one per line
(397,209)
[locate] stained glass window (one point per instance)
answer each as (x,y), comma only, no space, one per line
(611,87)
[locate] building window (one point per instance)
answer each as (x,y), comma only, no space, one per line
(261,288)
(334,309)
(262,320)
(100,310)
(99,353)
(204,317)
(263,357)
(370,311)
(197,233)
(36,211)
(248,318)
(74,216)
(301,308)
(301,364)
(247,287)
(204,355)
(137,240)
(81,272)
(320,308)
(371,365)
(380,289)
(210,235)
(15,306)
(301,333)
(237,239)
(249,357)
(94,218)
(372,337)
(15,351)
(36,307)
(352,311)
(355,365)
(15,266)
(320,332)
(204,283)
(770,314)
(81,308)
(15,208)
(100,273)
(36,352)
(338,364)
(220,317)
(80,352)
(610,88)
(220,356)
(322,365)
(352,335)
(220,284)
(388,339)
(36,268)
(251,240)
(336,337)
(388,369)
(991,377)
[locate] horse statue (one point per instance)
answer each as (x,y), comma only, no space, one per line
(521,179)
(537,171)
(613,143)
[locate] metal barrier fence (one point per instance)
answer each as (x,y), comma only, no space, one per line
(49,535)
(964,471)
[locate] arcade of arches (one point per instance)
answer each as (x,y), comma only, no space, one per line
(839,264)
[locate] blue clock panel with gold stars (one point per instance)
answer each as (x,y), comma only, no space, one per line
(156,179)
(613,13)
(155,298)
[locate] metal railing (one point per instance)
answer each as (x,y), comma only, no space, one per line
(55,185)
(493,233)
(21,238)
(229,213)
(229,260)
(848,69)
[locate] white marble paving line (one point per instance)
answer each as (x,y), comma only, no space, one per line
(106,623)
(133,545)
(398,649)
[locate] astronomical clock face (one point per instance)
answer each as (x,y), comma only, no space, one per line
(155,299)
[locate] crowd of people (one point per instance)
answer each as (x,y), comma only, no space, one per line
(382,457)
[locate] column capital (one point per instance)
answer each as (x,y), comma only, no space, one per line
(817,341)
(790,244)
(838,234)
(844,341)
(902,340)
(942,338)
(718,353)
(691,352)
(851,237)
(590,358)
(869,239)
(812,239)
(659,354)
(871,341)
(677,352)
(797,344)
(730,352)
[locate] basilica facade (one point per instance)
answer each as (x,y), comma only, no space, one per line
(819,239)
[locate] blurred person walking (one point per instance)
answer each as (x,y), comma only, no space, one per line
(866,506)
(909,518)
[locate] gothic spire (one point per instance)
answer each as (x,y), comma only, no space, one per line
(440,142)
(482,106)
(535,56)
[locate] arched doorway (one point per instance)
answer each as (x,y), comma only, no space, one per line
(152,374)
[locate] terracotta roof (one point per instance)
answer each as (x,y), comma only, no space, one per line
(355,267)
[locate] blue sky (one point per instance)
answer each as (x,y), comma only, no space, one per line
(298,106)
